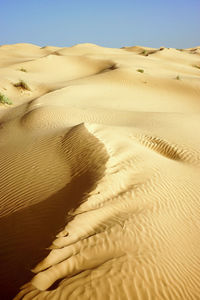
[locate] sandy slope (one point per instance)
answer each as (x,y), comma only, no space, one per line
(102,162)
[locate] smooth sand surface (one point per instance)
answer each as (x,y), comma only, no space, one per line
(100,173)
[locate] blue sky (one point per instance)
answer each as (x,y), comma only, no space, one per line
(110,23)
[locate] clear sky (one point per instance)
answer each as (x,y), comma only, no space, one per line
(111,23)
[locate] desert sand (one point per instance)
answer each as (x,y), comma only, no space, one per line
(100,173)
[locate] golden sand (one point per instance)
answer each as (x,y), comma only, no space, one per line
(100,173)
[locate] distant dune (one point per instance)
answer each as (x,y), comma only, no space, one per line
(100,173)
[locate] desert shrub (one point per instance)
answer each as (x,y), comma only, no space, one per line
(140,70)
(22,84)
(5,100)
(178,77)
(23,70)
(144,52)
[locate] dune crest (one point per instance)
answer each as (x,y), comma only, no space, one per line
(99,165)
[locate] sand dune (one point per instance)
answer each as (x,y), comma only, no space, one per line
(100,168)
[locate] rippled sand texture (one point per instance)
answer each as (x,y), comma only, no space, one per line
(100,173)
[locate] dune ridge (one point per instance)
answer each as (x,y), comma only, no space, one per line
(99,166)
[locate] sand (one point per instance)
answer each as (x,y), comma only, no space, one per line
(100,173)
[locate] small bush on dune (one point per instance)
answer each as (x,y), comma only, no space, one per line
(140,70)
(144,52)
(23,70)
(22,84)
(178,77)
(5,100)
